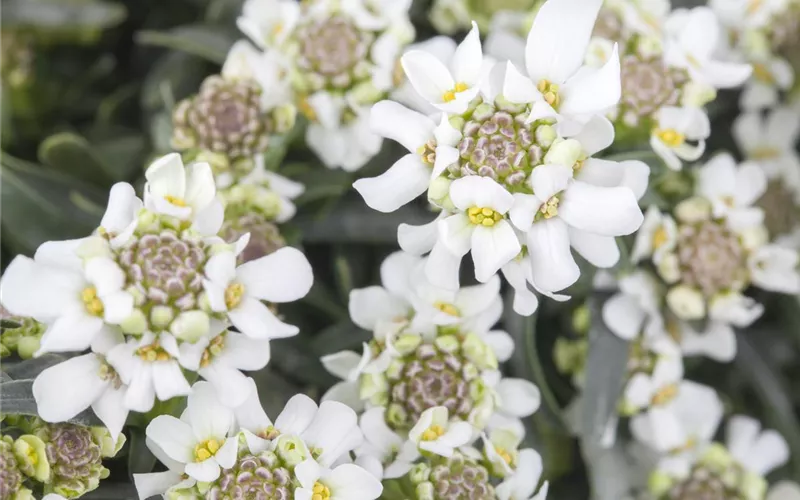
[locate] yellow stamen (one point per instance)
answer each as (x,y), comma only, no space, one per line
(505,455)
(765,153)
(660,237)
(206,449)
(91,301)
(175,200)
(447,308)
(433,433)
(450,95)
(753,6)
(665,395)
(233,295)
(483,216)
(269,433)
(549,209)
(152,353)
(428,152)
(693,61)
(763,74)
(671,137)
(549,92)
(307,110)
(321,492)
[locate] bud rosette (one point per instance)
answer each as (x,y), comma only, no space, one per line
(75,459)
(648,84)
(454,478)
(265,236)
(781,205)
(225,117)
(11,478)
(256,476)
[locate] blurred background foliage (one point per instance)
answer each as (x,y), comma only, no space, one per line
(87,92)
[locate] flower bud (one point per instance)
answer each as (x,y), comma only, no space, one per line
(694,209)
(190,326)
(27,346)
(31,454)
(108,446)
(686,302)
(135,324)
(566,152)
(291,449)
(161,316)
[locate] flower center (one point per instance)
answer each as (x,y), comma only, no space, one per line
(447,308)
(711,257)
(206,449)
(428,152)
(549,91)
(269,433)
(450,95)
(660,237)
(549,209)
(330,50)
(233,295)
(321,492)
(175,200)
(671,137)
(753,6)
(214,348)
(433,433)
(665,395)
(762,73)
(765,153)
(91,301)
(153,352)
(108,373)
(505,455)
(484,216)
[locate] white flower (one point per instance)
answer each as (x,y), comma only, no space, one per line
(431,149)
(514,399)
(200,438)
(784,490)
(341,145)
(282,276)
(480,226)
(267,183)
(395,453)
(185,193)
(448,89)
(267,68)
(775,268)
(657,236)
(435,434)
(644,389)
(691,416)
(345,482)
(522,484)
(220,358)
(731,190)
(563,212)
(268,22)
(120,218)
(770,142)
(759,451)
(741,14)
(330,430)
(76,300)
(158,483)
(557,84)
(149,367)
(675,127)
(692,38)
(771,75)
(66,389)
(717,340)
(625,313)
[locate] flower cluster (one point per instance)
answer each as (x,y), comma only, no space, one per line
(20,336)
(508,161)
(64,460)
(334,60)
(152,293)
(765,35)
(215,452)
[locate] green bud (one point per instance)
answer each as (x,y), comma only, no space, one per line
(476,350)
(284,117)
(457,122)
(135,324)
(396,415)
(292,450)
(23,494)
(419,473)
(27,346)
(407,343)
(395,370)
(447,343)
(95,246)
(161,316)
(31,455)
(425,491)
(717,457)
(147,221)
(545,135)
(371,384)
(753,486)
(366,93)
(108,446)
(581,319)
(439,192)
(483,111)
(564,152)
(191,326)
(659,483)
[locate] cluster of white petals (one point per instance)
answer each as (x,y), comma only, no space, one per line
(152,293)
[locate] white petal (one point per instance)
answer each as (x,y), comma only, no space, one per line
(407,179)
(122,207)
(154,484)
(600,251)
(427,74)
(208,220)
(208,417)
(557,42)
(283,185)
(717,342)
(230,384)
(549,180)
(296,415)
(478,191)
(784,490)
(38,291)
(282,276)
(330,429)
(596,135)
(455,233)
(349,481)
(442,267)
(524,210)
(167,177)
(501,343)
(226,455)
(774,268)
(518,397)
(245,353)
(255,320)
(72,332)
(633,174)
(307,473)
(492,248)
(173,436)
(370,305)
(342,363)
(221,268)
(735,309)
(141,393)
(623,316)
(517,87)
(750,184)
(200,186)
(552,265)
(396,271)
(601,210)
(377,432)
(418,240)
(169,381)
(468,58)
(593,91)
(398,123)
(205,471)
(66,389)
(110,409)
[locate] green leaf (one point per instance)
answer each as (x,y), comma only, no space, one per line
(124,156)
(323,299)
(140,459)
(173,76)
(62,15)
(73,155)
(772,389)
(342,336)
(30,368)
(606,367)
(208,42)
(294,359)
(47,205)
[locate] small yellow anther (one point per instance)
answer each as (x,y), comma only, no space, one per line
(665,395)
(234,295)
(320,492)
(671,137)
(763,74)
(206,449)
(660,237)
(433,433)
(175,200)
(91,301)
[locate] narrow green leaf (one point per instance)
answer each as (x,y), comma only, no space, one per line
(342,336)
(605,375)
(140,459)
(73,155)
(30,368)
(772,389)
(62,15)
(208,42)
